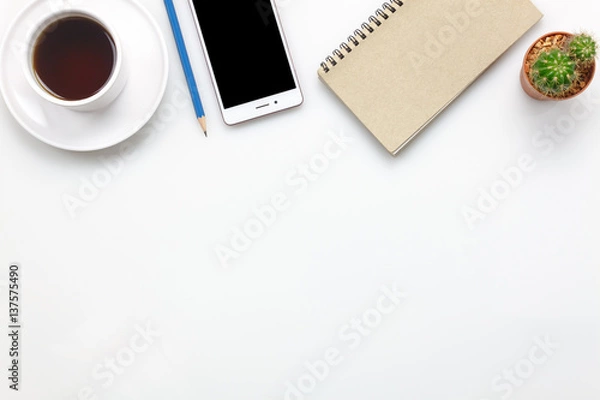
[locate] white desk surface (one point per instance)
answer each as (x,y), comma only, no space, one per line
(141,254)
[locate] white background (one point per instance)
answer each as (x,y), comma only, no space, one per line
(143,251)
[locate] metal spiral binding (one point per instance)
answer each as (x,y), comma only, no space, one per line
(381,14)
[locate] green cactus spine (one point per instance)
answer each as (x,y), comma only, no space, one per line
(583,48)
(553,73)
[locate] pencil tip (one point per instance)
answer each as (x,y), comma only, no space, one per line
(202,121)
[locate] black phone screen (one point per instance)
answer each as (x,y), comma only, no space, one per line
(245,48)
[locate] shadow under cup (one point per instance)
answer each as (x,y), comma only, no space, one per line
(75,61)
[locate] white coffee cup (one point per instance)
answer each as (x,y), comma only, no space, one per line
(111,88)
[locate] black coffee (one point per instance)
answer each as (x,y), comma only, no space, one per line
(74,58)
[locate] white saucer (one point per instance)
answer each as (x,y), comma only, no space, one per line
(148,68)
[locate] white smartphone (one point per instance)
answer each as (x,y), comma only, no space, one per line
(248,58)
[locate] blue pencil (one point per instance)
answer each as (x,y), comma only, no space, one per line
(185,63)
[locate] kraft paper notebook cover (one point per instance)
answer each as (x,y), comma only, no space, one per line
(414,57)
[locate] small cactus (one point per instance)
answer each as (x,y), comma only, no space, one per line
(583,48)
(553,73)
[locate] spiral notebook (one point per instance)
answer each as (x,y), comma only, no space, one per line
(412,58)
